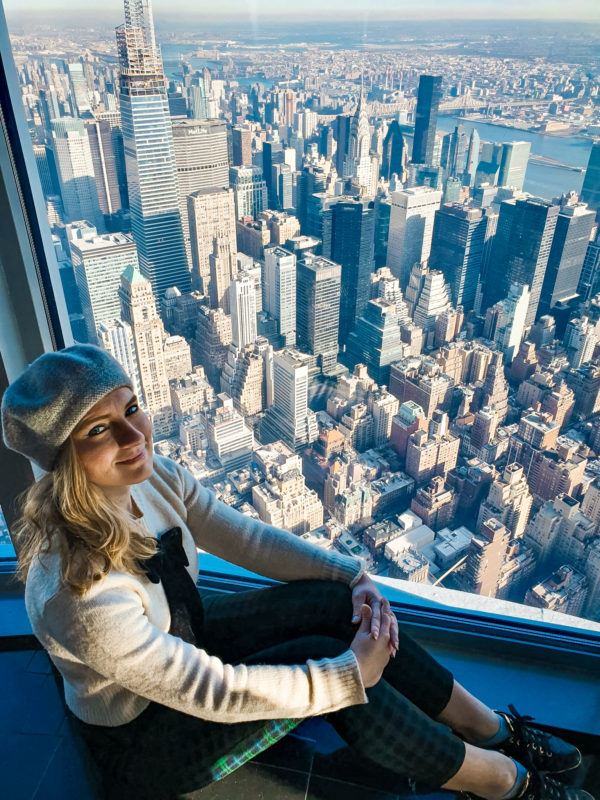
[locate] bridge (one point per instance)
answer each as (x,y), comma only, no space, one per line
(464,103)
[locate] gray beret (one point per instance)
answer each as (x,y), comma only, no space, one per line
(44,404)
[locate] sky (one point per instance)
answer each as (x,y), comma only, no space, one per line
(574,10)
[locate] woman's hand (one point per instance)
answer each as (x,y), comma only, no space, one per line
(372,654)
(365,592)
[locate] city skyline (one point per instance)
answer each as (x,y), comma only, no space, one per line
(349,309)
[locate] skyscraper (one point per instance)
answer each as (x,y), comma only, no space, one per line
(138,309)
(352,226)
(149,153)
(411,229)
(428,103)
(201,161)
(281,186)
(341,132)
(242,299)
(289,418)
(589,280)
(222,267)
(116,337)
(326,141)
(250,191)
(394,152)
(241,146)
(520,251)
(472,159)
(376,340)
(505,322)
(485,559)
(272,154)
(198,98)
(569,246)
(509,501)
(104,160)
(75,168)
(80,89)
(280,291)
(98,262)
(513,165)
(457,152)
(211,214)
(357,164)
(590,192)
(318,309)
(110,136)
(457,250)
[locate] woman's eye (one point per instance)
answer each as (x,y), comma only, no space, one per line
(97,429)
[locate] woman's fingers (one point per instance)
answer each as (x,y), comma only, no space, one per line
(386,621)
(365,619)
(376,618)
(393,625)
(389,626)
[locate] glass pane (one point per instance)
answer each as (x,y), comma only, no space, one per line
(352,270)
(6,546)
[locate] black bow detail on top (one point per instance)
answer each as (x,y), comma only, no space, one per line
(168,565)
(169,549)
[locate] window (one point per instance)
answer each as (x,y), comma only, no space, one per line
(452,439)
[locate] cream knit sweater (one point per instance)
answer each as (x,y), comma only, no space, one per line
(112,646)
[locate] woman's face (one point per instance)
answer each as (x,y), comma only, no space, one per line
(114,441)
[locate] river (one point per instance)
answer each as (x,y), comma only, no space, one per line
(541,180)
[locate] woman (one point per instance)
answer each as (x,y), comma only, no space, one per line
(172,690)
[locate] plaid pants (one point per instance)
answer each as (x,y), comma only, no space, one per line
(163,752)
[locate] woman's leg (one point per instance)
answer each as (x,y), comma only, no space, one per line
(238,624)
(391,733)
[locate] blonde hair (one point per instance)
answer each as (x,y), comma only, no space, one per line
(94,534)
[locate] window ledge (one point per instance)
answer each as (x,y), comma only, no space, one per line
(543,662)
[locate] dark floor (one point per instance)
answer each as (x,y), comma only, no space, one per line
(39,760)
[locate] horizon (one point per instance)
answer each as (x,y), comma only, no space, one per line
(465,11)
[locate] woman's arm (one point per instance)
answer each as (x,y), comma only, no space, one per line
(253,544)
(110,633)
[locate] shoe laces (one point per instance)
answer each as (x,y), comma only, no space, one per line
(547,788)
(533,738)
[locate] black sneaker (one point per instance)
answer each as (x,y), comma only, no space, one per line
(540,787)
(535,748)
(543,787)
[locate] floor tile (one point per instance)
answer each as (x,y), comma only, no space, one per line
(326,789)
(291,752)
(17,687)
(40,663)
(344,765)
(44,710)
(256,782)
(14,660)
(24,760)
(326,738)
(65,778)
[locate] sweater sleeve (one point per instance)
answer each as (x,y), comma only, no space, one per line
(250,543)
(110,633)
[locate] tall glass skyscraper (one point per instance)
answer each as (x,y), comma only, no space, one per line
(521,250)
(317,309)
(428,103)
(352,228)
(457,250)
(590,191)
(149,153)
(569,246)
